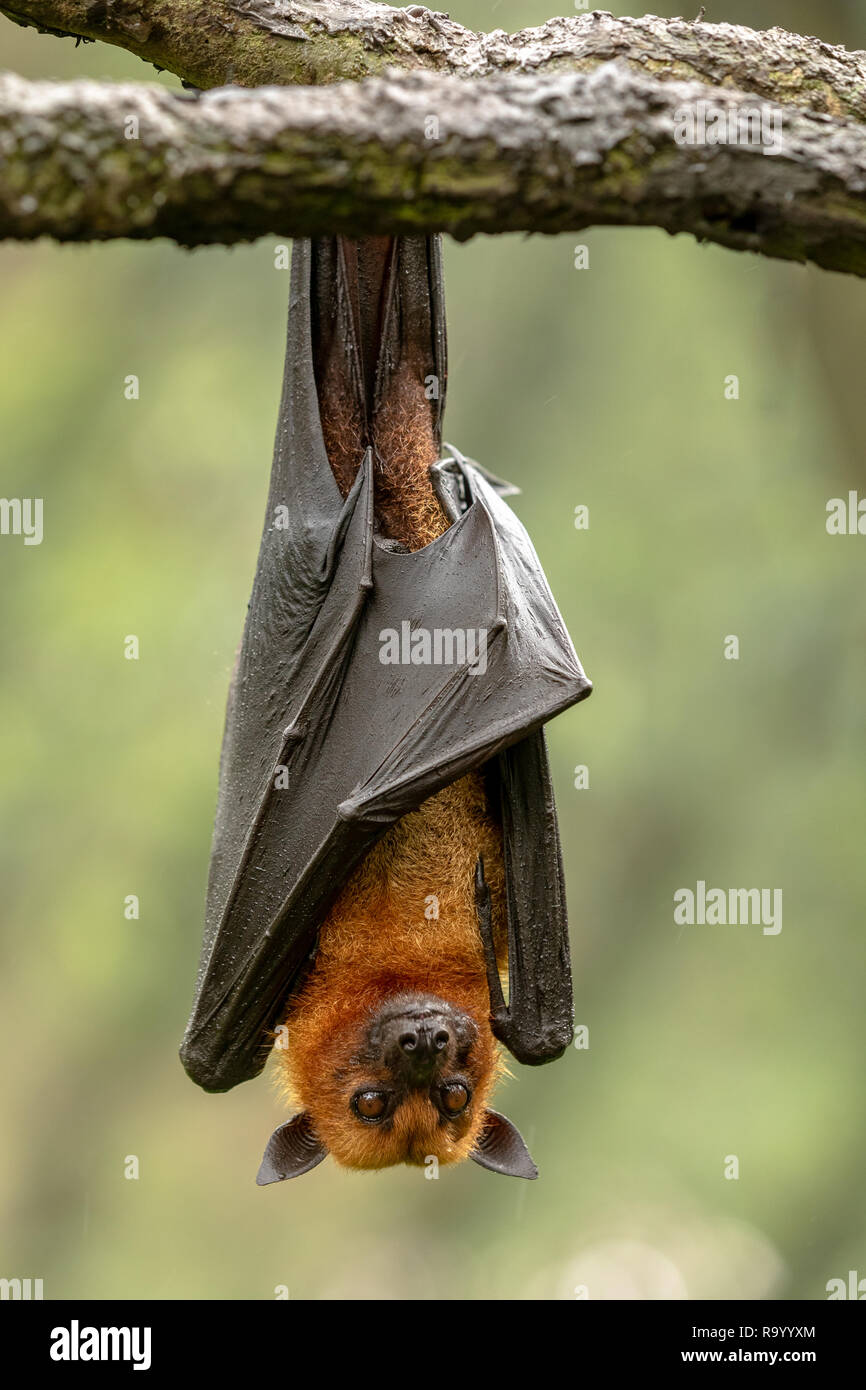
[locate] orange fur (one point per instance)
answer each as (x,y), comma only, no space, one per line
(404,442)
(402,438)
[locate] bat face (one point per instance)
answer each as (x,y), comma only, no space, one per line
(404,1081)
(415,1089)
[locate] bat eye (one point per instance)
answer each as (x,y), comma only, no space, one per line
(454,1098)
(370,1105)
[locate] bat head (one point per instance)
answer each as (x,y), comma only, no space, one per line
(404,1082)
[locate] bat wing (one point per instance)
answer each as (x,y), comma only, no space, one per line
(537,1022)
(368,679)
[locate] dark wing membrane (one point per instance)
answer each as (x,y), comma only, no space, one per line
(261,846)
(483,574)
(305,523)
(537,1024)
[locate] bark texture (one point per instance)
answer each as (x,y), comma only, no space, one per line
(568,125)
(255,42)
(414,152)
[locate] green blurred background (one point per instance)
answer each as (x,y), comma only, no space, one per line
(602,387)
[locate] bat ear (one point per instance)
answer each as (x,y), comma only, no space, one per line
(502,1150)
(292,1149)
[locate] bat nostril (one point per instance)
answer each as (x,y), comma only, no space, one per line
(408,1041)
(441,1040)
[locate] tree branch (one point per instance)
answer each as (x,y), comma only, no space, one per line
(547,153)
(255,42)
(553,138)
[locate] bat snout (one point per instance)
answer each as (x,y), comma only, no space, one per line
(423,1037)
(420,1043)
(418,1036)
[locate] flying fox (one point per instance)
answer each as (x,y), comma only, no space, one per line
(386,906)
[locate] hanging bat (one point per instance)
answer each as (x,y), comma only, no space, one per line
(386,850)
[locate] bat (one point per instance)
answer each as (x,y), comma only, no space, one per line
(385,852)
